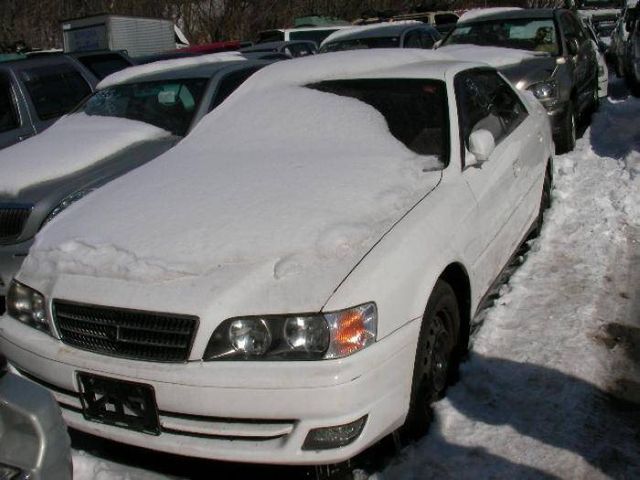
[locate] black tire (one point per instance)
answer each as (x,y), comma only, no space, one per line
(595,102)
(566,140)
(435,361)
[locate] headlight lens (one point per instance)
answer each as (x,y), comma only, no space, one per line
(295,337)
(65,203)
(545,90)
(27,305)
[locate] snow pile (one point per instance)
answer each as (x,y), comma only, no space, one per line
(535,398)
(131,73)
(55,152)
(378,28)
(282,182)
(494,56)
(476,13)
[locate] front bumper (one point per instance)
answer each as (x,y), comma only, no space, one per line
(556,113)
(11,258)
(213,409)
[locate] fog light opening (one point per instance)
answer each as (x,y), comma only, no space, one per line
(334,437)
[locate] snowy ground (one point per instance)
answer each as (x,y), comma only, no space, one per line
(552,385)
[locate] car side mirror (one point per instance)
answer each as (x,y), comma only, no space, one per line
(437,44)
(481,146)
(573,46)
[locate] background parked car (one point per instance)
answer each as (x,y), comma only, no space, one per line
(181,287)
(600,48)
(631,63)
(35,92)
(34,443)
(405,34)
(291,49)
(560,66)
(99,142)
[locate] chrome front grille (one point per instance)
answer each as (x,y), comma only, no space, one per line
(12,221)
(120,332)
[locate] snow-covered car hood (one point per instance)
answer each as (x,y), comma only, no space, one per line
(530,71)
(75,142)
(271,201)
(517,65)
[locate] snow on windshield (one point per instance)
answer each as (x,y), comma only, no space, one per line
(261,164)
(54,153)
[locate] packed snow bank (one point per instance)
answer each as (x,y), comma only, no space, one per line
(494,56)
(75,142)
(535,397)
(131,73)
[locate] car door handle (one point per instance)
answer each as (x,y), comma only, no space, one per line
(540,137)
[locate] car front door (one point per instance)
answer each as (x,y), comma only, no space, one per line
(14,119)
(584,61)
(499,184)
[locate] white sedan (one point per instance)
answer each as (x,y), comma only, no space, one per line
(296,279)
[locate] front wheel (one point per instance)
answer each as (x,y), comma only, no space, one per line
(434,361)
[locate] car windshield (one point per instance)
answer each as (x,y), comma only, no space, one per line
(415,110)
(169,105)
(532,34)
(361,43)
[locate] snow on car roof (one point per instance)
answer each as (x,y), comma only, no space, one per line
(351,64)
(387,29)
(480,12)
(140,71)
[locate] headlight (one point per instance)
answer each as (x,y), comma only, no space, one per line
(65,203)
(545,90)
(295,337)
(27,305)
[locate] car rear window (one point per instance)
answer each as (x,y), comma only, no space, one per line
(415,109)
(55,90)
(104,64)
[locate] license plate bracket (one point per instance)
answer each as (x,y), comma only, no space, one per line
(118,402)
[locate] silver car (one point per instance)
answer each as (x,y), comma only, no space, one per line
(562,70)
(170,101)
(34,443)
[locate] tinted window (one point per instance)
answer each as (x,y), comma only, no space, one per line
(169,105)
(55,91)
(103,65)
(229,83)
(444,18)
(486,101)
(537,35)
(412,40)
(314,35)
(8,111)
(361,44)
(415,110)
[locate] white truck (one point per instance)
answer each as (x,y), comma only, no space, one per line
(138,36)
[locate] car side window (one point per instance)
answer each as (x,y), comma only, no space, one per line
(416,111)
(229,83)
(412,40)
(9,119)
(486,101)
(577,27)
(55,90)
(426,39)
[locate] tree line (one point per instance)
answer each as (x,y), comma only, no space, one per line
(36,23)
